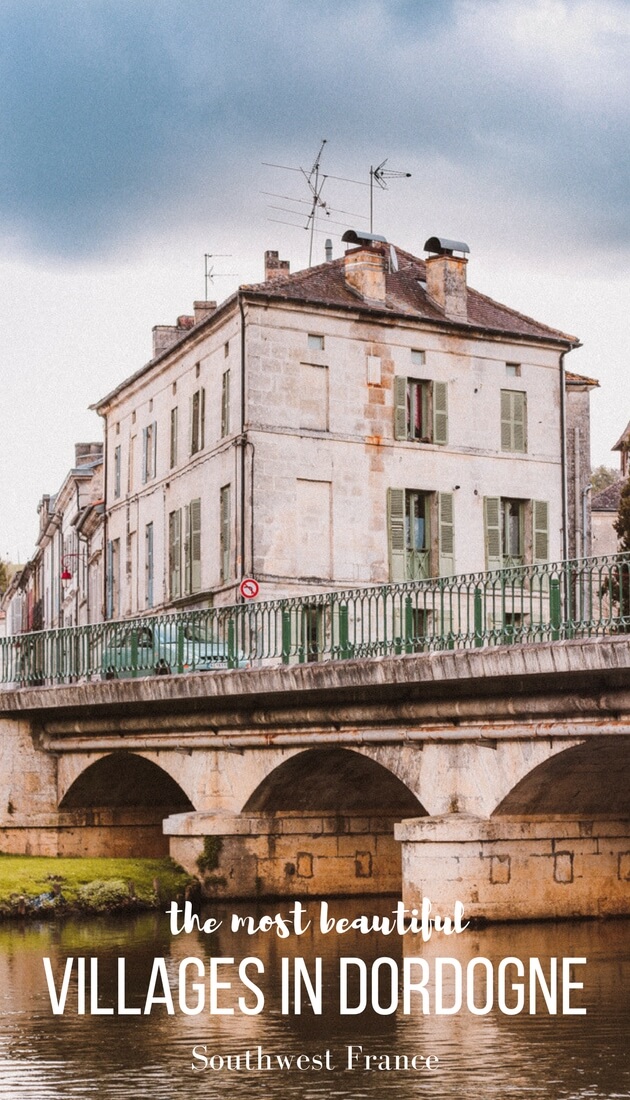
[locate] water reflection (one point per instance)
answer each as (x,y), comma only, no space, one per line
(47,1057)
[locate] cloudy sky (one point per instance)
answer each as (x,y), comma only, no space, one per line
(133,141)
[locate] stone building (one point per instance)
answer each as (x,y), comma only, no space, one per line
(369,419)
(62,584)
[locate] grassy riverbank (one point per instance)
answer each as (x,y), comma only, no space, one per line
(37,885)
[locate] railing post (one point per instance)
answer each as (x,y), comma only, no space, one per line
(134,652)
(555,613)
(409,631)
(180,647)
(231,644)
(478,617)
(344,640)
(286,636)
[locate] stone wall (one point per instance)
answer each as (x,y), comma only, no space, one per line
(518,868)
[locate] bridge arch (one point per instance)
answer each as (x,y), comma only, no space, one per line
(592,779)
(334,780)
(117,805)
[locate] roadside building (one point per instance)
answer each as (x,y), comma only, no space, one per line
(62,584)
(370,419)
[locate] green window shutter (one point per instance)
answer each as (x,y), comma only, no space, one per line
(225,403)
(149,563)
(396,534)
(446,535)
(195,545)
(513,421)
(540,540)
(519,420)
(186,555)
(506,420)
(492,520)
(225,533)
(202,418)
(154,454)
(440,412)
(173,454)
(174,552)
(145,447)
(400,407)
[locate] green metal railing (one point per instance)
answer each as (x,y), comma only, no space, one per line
(522,604)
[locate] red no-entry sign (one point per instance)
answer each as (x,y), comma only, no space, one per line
(249,588)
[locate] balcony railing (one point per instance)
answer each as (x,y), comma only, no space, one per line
(522,604)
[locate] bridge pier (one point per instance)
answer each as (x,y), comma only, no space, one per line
(288,853)
(516,867)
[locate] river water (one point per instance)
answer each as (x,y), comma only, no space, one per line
(488,1056)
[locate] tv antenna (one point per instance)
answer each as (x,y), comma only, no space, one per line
(209,273)
(380,175)
(315,180)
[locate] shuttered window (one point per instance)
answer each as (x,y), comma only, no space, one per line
(149,452)
(513,421)
(148,564)
(420,410)
(517,532)
(420,534)
(224,533)
(117,466)
(192,547)
(174,436)
(175,553)
(197,421)
(225,403)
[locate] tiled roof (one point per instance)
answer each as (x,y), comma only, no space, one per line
(623,442)
(580,379)
(406,295)
(607,500)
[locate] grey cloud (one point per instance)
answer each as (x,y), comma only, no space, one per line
(111,111)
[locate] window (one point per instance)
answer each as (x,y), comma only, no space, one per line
(417,357)
(174,432)
(224,534)
(420,410)
(513,370)
(197,420)
(421,534)
(513,421)
(192,547)
(225,403)
(184,556)
(113,579)
(148,564)
(517,531)
(226,349)
(149,451)
(175,554)
(315,342)
(130,468)
(117,462)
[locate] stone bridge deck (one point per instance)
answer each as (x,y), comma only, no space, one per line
(507,765)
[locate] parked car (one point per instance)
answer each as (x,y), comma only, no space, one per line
(159,650)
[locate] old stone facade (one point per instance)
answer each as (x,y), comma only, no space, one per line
(367,420)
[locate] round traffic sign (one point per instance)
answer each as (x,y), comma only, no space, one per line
(249,588)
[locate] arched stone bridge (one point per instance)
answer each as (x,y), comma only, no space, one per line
(498,777)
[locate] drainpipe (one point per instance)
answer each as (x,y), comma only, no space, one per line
(242,441)
(563,457)
(105,532)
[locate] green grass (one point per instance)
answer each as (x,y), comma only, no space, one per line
(30,876)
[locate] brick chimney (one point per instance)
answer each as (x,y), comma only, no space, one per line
(164,336)
(446,277)
(275,268)
(203,310)
(364,271)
